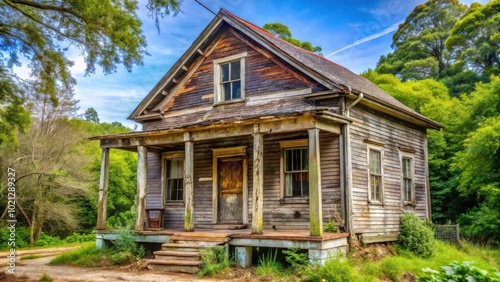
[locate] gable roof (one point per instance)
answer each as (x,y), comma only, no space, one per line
(326,72)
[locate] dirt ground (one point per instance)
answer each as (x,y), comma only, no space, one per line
(32,269)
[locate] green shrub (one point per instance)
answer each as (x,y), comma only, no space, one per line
(455,271)
(416,236)
(297,259)
(88,256)
(214,261)
(125,242)
(334,270)
(80,238)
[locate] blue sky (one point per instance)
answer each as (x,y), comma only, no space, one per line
(352,33)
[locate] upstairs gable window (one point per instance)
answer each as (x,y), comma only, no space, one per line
(229,78)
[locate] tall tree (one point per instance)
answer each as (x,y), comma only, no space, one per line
(419,42)
(91,115)
(476,38)
(107,32)
(282,31)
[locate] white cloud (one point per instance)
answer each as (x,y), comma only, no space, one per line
(367,38)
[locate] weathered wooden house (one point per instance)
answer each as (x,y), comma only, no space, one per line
(256,139)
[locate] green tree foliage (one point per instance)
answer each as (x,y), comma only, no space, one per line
(107,33)
(282,31)
(476,38)
(91,115)
(419,42)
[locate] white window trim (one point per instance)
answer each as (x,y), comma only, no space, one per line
(164,157)
(411,156)
(218,99)
(289,144)
(378,148)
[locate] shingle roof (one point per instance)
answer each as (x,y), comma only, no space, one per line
(336,73)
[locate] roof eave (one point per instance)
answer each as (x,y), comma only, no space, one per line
(169,76)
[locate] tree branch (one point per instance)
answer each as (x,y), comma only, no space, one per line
(41,6)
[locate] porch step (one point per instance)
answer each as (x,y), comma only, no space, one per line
(184,266)
(182,253)
(176,255)
(177,247)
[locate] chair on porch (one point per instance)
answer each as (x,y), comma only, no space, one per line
(155,218)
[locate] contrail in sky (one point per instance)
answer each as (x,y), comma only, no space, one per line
(368,38)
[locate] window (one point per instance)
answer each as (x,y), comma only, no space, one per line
(407,172)
(229,78)
(296,172)
(173,183)
(375,173)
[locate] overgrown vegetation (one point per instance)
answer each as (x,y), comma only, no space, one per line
(398,264)
(23,238)
(465,271)
(416,235)
(215,261)
(124,250)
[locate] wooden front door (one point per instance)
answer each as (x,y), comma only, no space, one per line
(230,177)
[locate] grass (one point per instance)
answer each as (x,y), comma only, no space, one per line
(46,277)
(394,267)
(88,256)
(215,261)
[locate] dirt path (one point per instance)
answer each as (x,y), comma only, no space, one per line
(33,269)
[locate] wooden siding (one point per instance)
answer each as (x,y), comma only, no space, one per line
(393,134)
(276,213)
(262,75)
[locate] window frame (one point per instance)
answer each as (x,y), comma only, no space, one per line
(168,156)
(286,145)
(402,157)
(218,89)
(379,149)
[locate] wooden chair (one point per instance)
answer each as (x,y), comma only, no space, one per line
(155,218)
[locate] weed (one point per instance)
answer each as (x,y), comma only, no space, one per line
(125,242)
(393,268)
(46,277)
(331,227)
(214,261)
(269,264)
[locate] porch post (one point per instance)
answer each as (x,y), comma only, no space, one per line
(258,183)
(142,153)
(315,203)
(188,183)
(103,190)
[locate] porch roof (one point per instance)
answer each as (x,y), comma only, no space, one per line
(240,120)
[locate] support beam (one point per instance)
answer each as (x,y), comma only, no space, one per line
(103,190)
(315,202)
(142,153)
(258,183)
(188,183)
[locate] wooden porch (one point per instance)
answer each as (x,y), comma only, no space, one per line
(177,245)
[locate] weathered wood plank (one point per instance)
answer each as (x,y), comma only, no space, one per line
(258,183)
(188,183)
(141,187)
(103,190)
(315,204)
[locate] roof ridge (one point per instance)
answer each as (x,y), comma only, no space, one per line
(254,26)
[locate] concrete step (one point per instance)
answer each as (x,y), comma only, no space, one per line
(176,247)
(184,266)
(175,255)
